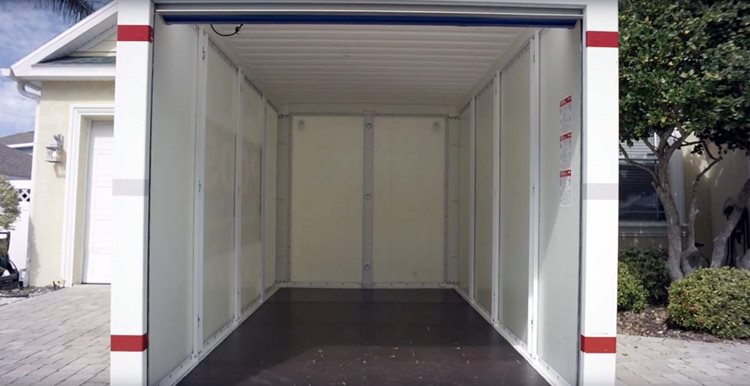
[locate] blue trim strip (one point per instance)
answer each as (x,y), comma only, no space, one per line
(459,21)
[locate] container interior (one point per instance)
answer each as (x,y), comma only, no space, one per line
(376,156)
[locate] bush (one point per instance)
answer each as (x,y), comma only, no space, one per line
(631,295)
(650,266)
(715,300)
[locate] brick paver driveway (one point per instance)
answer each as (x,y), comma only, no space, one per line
(661,361)
(60,338)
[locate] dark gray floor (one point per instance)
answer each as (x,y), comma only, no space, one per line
(364,337)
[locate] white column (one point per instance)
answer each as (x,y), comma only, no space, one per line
(129,340)
(599,222)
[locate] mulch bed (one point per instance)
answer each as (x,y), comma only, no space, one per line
(653,322)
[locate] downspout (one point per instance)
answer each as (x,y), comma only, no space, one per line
(22,85)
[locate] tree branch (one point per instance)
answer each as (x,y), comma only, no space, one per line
(703,172)
(708,151)
(651,146)
(638,165)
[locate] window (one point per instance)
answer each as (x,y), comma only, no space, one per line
(638,199)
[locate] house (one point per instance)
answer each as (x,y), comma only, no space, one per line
(209,157)
(15,164)
(642,220)
(20,141)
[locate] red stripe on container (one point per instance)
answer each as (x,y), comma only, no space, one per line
(135,33)
(598,344)
(604,39)
(129,343)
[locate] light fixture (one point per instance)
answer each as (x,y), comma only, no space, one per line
(55,149)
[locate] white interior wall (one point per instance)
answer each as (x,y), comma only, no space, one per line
(559,238)
(408,200)
(327,183)
(465,182)
(252,145)
(514,198)
(269,181)
(219,186)
(170,295)
(483,201)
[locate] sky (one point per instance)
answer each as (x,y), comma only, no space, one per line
(24,27)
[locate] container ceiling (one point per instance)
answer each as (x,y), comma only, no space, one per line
(369,64)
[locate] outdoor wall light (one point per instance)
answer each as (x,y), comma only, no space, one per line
(55,149)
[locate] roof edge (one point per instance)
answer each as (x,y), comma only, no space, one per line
(24,69)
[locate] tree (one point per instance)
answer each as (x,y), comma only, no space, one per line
(71,10)
(9,209)
(684,81)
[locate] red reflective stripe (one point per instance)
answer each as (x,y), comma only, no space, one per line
(135,33)
(130,343)
(598,344)
(601,39)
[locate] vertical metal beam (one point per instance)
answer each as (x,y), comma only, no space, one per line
(534,144)
(496,289)
(283,182)
(473,198)
(200,163)
(288,230)
(238,148)
(263,194)
(130,193)
(452,162)
(367,199)
(599,212)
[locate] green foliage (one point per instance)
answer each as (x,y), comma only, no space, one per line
(9,209)
(70,10)
(650,266)
(716,300)
(631,295)
(684,65)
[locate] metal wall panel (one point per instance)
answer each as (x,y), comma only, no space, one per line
(559,238)
(252,140)
(409,206)
(272,123)
(170,295)
(218,187)
(327,164)
(514,195)
(465,182)
(484,175)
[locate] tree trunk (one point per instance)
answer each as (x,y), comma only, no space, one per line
(744,262)
(690,255)
(719,255)
(674,231)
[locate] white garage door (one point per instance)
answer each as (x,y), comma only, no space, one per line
(99,217)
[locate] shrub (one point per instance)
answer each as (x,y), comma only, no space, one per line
(715,300)
(650,265)
(631,295)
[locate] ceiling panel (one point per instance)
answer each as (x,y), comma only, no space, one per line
(369,64)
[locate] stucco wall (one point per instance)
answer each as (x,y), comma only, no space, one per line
(723,181)
(45,226)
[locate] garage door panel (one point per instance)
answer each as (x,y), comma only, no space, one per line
(327,183)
